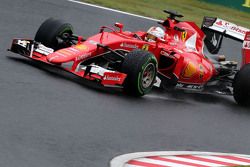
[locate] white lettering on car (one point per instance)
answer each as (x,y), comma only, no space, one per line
(82,57)
(112,78)
(127,45)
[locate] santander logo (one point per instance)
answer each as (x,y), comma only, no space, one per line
(219,23)
(112,78)
(231,27)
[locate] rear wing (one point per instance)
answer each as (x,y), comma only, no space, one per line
(215,29)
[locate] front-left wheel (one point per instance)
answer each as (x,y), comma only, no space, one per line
(51,31)
(141,69)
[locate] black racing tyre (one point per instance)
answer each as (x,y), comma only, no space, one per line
(49,30)
(242,86)
(141,69)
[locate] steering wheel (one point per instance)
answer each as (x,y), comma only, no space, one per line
(137,36)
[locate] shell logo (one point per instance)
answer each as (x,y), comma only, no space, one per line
(81,47)
(189,71)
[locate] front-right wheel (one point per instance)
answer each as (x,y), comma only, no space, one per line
(51,30)
(141,69)
(241,86)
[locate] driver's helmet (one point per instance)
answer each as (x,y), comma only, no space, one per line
(153,33)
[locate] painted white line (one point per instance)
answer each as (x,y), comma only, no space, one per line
(113,10)
(121,160)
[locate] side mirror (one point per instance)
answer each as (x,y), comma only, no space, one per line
(119,25)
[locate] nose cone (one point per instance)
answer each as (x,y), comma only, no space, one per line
(67,54)
(60,56)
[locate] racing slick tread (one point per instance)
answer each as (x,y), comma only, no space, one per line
(241,86)
(49,30)
(133,65)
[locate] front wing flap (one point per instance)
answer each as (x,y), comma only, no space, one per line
(38,52)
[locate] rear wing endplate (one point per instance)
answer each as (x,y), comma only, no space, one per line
(246,49)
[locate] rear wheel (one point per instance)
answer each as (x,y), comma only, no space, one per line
(242,86)
(51,30)
(141,68)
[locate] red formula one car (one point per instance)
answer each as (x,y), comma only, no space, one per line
(117,58)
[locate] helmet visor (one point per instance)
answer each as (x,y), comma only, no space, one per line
(151,37)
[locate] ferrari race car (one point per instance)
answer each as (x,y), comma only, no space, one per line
(124,59)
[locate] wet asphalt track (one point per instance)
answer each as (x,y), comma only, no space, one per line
(49,118)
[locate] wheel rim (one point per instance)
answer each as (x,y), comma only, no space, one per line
(148,75)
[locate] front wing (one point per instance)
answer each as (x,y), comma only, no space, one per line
(38,52)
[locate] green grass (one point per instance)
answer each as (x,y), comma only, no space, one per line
(193,10)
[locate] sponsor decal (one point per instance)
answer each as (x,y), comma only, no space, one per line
(223,23)
(184,36)
(60,54)
(237,29)
(127,45)
(214,41)
(23,43)
(82,47)
(246,45)
(73,50)
(219,23)
(64,52)
(44,50)
(82,57)
(189,71)
(230,26)
(93,42)
(145,47)
(111,78)
(189,86)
